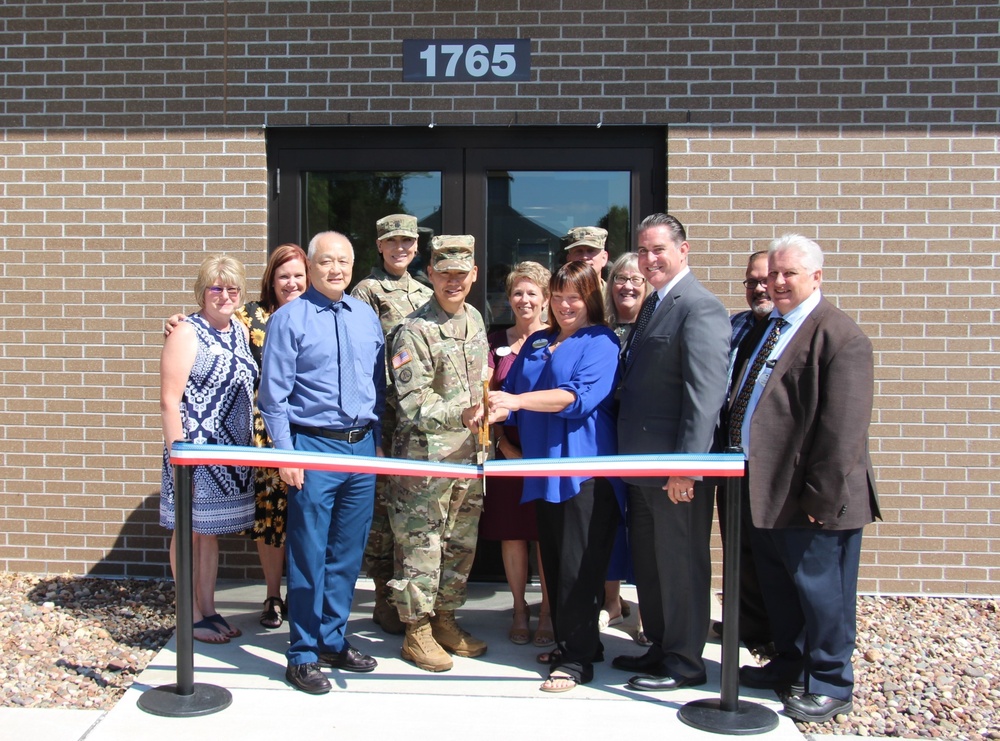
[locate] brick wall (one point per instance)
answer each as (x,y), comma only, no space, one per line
(131,144)
(102,237)
(909,227)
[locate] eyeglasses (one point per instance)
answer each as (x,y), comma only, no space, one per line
(752,284)
(635,280)
(217,291)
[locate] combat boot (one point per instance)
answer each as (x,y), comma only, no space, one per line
(452,638)
(385,614)
(420,647)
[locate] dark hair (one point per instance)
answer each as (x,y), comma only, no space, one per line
(282,254)
(676,228)
(582,278)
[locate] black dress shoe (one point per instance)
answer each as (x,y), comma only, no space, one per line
(767,677)
(649,662)
(812,708)
(663,684)
(308,678)
(350,660)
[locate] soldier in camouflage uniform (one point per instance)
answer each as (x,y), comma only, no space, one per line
(438,366)
(393,293)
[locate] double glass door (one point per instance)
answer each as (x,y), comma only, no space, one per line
(516,191)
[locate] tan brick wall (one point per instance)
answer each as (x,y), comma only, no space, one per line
(908,221)
(102,234)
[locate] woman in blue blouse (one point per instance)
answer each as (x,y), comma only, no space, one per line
(560,393)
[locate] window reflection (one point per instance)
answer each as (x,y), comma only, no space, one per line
(527,212)
(351,203)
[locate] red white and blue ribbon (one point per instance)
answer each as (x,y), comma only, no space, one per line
(672,464)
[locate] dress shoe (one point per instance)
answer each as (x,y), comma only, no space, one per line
(350,660)
(308,678)
(664,684)
(651,662)
(767,677)
(811,708)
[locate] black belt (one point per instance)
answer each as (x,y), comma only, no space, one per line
(351,434)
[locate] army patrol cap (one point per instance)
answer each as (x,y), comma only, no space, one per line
(592,236)
(401,225)
(453,252)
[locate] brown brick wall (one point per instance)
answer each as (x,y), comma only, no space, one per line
(209,63)
(102,236)
(909,226)
(131,144)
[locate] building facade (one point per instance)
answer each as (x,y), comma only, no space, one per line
(136,137)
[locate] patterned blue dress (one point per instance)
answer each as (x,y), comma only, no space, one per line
(217,409)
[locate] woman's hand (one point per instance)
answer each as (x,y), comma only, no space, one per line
(502,401)
(172,323)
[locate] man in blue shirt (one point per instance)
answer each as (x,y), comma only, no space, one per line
(322,389)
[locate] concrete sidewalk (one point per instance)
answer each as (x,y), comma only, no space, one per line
(493,697)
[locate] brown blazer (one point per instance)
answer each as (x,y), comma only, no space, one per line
(809,431)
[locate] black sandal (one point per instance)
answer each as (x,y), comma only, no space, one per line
(272,616)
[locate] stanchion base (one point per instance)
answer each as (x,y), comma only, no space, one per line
(749,718)
(205,700)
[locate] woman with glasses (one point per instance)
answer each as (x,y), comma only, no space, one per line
(623,296)
(285,278)
(207,377)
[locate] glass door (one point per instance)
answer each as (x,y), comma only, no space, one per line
(517,191)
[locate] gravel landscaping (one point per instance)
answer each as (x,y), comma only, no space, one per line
(926,667)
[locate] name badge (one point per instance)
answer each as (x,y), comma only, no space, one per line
(502,352)
(539,343)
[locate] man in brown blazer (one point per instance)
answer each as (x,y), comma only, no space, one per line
(800,407)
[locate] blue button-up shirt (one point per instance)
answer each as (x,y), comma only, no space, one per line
(794,318)
(298,380)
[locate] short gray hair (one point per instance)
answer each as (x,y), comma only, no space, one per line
(314,242)
(808,250)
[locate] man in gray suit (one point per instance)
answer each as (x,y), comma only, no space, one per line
(673,386)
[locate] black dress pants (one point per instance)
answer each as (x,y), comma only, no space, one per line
(575,539)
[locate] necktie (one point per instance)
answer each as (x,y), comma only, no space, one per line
(645,313)
(350,401)
(743,399)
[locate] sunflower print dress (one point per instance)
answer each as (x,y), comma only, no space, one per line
(270,492)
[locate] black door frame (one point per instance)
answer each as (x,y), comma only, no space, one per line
(463,155)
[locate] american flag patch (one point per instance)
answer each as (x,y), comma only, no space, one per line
(400,359)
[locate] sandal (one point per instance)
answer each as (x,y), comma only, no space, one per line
(224,627)
(560,682)
(272,616)
(544,636)
(549,657)
(604,620)
(642,640)
(519,634)
(206,624)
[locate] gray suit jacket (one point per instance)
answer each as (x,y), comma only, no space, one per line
(671,395)
(809,430)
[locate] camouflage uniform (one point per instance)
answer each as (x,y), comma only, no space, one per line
(392,299)
(438,366)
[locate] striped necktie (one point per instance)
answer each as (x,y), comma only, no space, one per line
(645,314)
(743,399)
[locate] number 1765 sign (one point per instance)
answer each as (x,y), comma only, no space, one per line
(447,60)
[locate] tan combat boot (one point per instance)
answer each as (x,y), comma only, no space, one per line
(452,638)
(420,648)
(385,614)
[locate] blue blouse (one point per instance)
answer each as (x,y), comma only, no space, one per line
(586,364)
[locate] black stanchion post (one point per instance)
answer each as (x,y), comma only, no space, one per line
(185,698)
(729,714)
